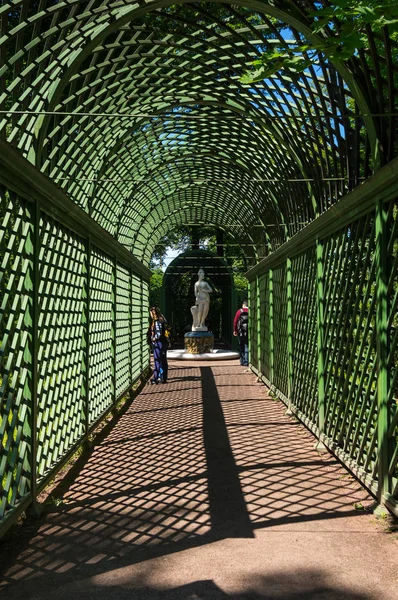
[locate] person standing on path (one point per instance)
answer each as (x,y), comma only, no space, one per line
(159,345)
(241,329)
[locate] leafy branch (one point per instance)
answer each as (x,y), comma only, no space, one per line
(343,30)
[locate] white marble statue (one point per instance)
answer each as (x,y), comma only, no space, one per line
(202,302)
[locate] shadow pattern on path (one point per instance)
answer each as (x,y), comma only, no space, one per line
(188,464)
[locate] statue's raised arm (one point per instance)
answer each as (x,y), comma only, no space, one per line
(202,302)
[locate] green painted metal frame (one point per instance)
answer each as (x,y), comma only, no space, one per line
(304,334)
(35,342)
(258,319)
(86,346)
(289,306)
(356,415)
(137,113)
(271,324)
(320,299)
(64,345)
(383,375)
(17,417)
(128,127)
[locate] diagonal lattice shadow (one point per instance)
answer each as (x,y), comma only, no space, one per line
(190,463)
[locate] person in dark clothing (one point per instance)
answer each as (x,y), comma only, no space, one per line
(241,327)
(160,344)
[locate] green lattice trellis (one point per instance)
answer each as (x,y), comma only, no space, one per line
(166,122)
(121,121)
(349,395)
(16,349)
(304,332)
(70,344)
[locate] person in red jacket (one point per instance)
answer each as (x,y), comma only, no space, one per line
(241,329)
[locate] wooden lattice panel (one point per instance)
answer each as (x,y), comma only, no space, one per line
(123,330)
(304,334)
(101,334)
(60,332)
(16,304)
(254,325)
(265,332)
(393,349)
(136,326)
(280,329)
(66,344)
(350,340)
(144,323)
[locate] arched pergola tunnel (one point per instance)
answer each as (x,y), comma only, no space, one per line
(122,120)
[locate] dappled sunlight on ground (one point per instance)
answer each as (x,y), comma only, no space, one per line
(204,488)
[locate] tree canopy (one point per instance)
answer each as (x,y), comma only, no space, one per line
(342,29)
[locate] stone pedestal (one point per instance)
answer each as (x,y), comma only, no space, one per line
(198,342)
